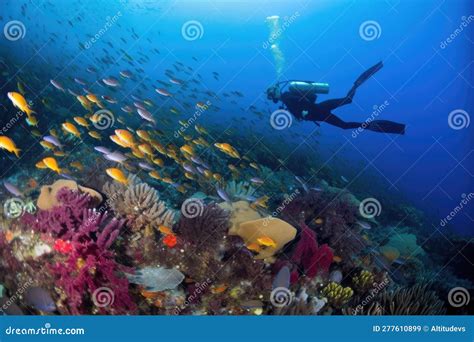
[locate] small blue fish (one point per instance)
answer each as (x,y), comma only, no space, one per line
(364,225)
(256,180)
(40,299)
(222,194)
(344,179)
(303,184)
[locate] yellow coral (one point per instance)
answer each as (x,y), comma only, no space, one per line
(364,280)
(337,295)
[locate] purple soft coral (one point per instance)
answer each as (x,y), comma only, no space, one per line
(90,265)
(312,258)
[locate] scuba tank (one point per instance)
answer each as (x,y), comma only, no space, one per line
(309,87)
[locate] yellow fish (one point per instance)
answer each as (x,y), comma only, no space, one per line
(266,241)
(117,174)
(47,145)
(70,128)
(118,141)
(41,165)
(95,135)
(20,102)
(125,136)
(7,144)
(36,133)
(144,135)
(154,174)
(59,154)
(227,149)
(92,98)
(81,121)
(138,153)
(32,121)
(52,164)
(84,102)
(77,165)
(159,162)
(319,221)
(146,149)
(187,149)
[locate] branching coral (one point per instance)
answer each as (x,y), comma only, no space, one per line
(139,203)
(83,241)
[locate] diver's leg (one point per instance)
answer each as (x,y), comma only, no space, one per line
(336,121)
(329,105)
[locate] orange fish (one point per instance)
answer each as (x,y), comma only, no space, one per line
(32,183)
(165,230)
(337,259)
(266,241)
(219,289)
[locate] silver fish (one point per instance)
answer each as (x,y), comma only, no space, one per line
(116,157)
(53,140)
(12,189)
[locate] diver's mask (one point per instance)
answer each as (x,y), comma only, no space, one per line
(273,93)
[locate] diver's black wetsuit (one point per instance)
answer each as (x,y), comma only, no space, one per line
(299,102)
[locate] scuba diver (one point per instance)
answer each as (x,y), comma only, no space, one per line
(300,99)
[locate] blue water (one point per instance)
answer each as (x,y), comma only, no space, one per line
(423,80)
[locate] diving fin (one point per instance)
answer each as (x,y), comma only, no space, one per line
(385,126)
(368,74)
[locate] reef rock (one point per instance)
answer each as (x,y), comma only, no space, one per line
(278,230)
(48,195)
(241,212)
